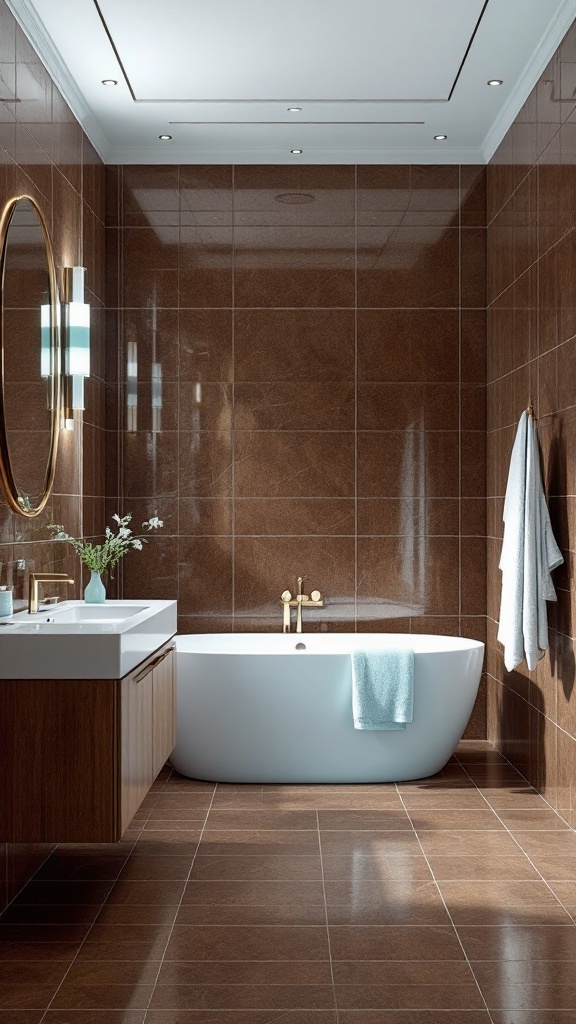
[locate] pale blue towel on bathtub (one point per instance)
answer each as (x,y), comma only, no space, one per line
(382,688)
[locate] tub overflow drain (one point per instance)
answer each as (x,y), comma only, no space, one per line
(300,647)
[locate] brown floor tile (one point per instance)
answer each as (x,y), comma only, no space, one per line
(244,1017)
(413,1017)
(169,844)
(260,820)
(22,1016)
(250,997)
(442,995)
(61,951)
(560,868)
(81,867)
(482,868)
(353,821)
(163,893)
(443,798)
(63,893)
(137,913)
(365,902)
(281,868)
(193,826)
(369,844)
(279,914)
(544,844)
(257,844)
(116,972)
(49,915)
(554,942)
(125,942)
(417,942)
(257,943)
(549,1016)
(517,819)
(502,903)
(457,820)
(246,972)
(523,796)
(26,996)
(94,1017)
(150,868)
(22,972)
(524,972)
(566,893)
(100,997)
(382,868)
(45,933)
(256,890)
(468,844)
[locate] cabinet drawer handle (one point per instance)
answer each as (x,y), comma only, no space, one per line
(152,664)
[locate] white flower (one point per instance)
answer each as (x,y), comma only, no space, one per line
(123,532)
(154,523)
(137,544)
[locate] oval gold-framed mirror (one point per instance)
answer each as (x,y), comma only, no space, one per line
(30,358)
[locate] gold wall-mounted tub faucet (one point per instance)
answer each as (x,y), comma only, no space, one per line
(300,601)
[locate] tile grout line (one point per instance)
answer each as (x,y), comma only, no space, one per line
(326,917)
(186,880)
(440,893)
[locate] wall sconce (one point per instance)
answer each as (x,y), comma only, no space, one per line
(76,342)
(156,398)
(132,387)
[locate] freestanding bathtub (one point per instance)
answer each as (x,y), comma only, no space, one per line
(274,708)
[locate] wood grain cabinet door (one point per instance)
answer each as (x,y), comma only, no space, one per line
(163,709)
(137,772)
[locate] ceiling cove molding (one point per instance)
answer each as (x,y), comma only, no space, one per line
(34,29)
(536,65)
(188,155)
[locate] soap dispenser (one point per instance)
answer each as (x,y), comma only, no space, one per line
(6,607)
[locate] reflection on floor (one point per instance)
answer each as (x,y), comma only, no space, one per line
(446,901)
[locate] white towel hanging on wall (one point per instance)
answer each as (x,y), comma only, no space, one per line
(529,554)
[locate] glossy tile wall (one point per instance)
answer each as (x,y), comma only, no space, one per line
(531,185)
(45,154)
(306,392)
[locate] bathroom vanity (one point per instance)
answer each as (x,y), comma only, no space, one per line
(81,753)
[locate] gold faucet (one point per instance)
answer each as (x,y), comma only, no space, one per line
(300,601)
(43,577)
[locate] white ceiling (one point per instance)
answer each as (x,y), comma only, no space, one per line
(376,79)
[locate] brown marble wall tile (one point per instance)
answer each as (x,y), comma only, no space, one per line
(294,345)
(411,345)
(408,267)
(531,327)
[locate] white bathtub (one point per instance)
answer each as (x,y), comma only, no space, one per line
(252,707)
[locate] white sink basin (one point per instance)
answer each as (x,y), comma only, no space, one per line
(75,640)
(93,613)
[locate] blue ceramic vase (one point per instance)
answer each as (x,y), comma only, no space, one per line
(95,592)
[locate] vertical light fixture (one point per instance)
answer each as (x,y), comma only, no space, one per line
(76,342)
(132,387)
(156,397)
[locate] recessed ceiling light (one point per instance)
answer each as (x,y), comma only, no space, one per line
(165,138)
(294,110)
(495,81)
(440,138)
(295,150)
(109,81)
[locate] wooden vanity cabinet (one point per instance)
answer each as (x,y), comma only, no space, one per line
(78,756)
